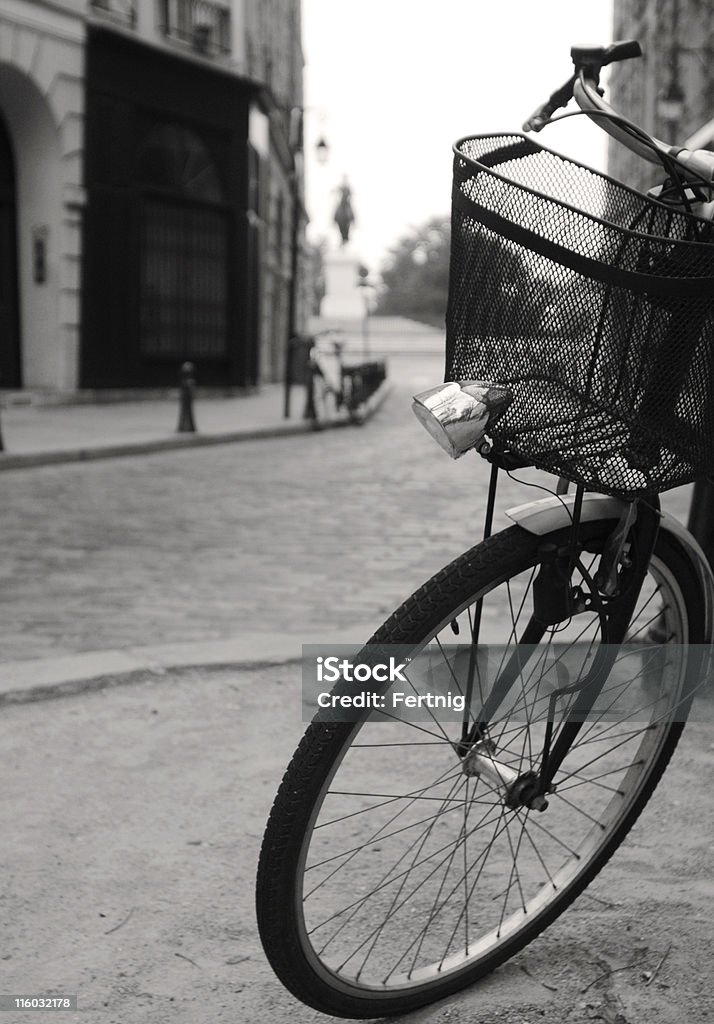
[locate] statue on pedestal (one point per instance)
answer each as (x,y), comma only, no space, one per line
(344,214)
(343,301)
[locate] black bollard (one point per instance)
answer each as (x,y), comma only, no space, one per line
(186,424)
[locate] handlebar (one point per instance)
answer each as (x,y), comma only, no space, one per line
(584,87)
(590,58)
(589,99)
(594,58)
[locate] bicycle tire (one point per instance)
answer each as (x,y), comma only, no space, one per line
(321,756)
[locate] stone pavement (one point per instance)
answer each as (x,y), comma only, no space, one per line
(233,553)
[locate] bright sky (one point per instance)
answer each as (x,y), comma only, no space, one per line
(391,84)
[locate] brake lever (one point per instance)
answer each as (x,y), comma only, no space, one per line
(560,98)
(592,58)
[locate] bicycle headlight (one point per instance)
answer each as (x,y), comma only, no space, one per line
(457,415)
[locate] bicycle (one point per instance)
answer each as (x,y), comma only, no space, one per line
(315,361)
(335,385)
(406,858)
(326,390)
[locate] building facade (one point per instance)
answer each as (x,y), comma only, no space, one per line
(670,90)
(151,206)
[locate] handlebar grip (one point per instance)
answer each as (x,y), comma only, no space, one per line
(596,57)
(622,50)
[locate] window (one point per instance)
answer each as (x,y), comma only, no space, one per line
(123,11)
(184,248)
(203,25)
(175,158)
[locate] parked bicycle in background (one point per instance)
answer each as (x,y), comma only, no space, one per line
(334,385)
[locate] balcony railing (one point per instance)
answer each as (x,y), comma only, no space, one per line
(205,26)
(123,11)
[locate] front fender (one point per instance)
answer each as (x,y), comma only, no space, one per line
(555,513)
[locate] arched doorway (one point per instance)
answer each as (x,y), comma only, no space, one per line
(48,242)
(10,373)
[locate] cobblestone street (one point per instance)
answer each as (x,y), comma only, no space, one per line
(303,535)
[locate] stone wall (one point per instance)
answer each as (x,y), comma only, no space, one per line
(42,101)
(677,37)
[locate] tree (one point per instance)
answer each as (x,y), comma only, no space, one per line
(497,291)
(415,276)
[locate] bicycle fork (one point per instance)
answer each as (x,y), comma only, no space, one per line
(555,600)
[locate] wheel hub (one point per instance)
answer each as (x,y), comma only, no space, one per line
(480,761)
(518,790)
(526,792)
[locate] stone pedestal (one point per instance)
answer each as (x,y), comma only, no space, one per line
(343,297)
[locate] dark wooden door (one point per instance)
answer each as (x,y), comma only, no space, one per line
(10,374)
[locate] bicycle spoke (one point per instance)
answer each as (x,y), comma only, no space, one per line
(536,850)
(392,799)
(579,809)
(396,896)
(382,885)
(408,897)
(482,858)
(514,872)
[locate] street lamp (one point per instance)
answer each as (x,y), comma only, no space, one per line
(672,103)
(366,287)
(322,149)
(297,116)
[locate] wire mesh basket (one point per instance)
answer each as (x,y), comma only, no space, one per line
(595,305)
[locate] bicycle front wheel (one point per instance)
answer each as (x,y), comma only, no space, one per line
(389,876)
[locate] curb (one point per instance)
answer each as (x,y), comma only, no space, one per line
(26,682)
(31,460)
